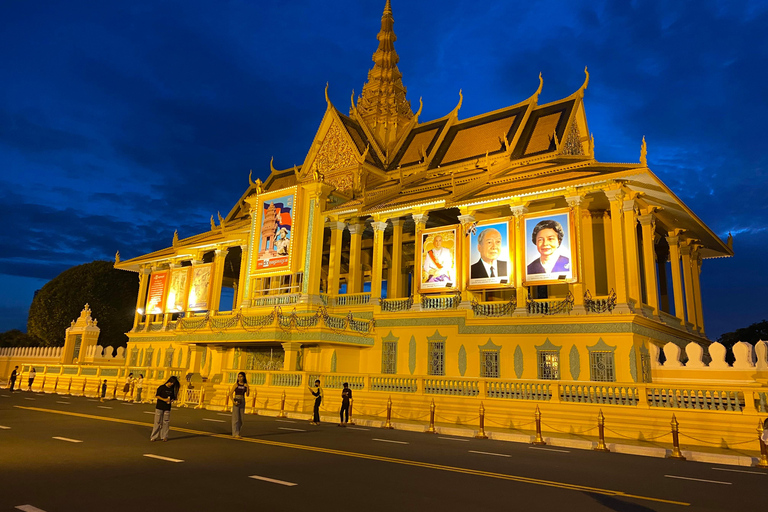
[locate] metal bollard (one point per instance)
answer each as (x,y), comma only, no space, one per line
(388,424)
(114,391)
(69,387)
(481,432)
(539,441)
(431,429)
(202,399)
(56,384)
(676,453)
(226,401)
(85,383)
(763,462)
(601,447)
(253,405)
(282,413)
(42,386)
(349,419)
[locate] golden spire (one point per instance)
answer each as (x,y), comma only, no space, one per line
(382,104)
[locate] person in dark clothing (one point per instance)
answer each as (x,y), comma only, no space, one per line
(14,373)
(239,391)
(166,394)
(103,390)
(346,395)
(318,394)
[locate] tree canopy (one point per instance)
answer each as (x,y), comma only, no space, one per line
(110,293)
(16,338)
(752,334)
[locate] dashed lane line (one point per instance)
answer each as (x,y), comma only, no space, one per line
(490,453)
(286,421)
(214,420)
(60,402)
(380,458)
(549,449)
(358,428)
(389,441)
(28,398)
(149,412)
(223,414)
(741,471)
(699,480)
(160,457)
(67,439)
(29,508)
(3,427)
(103,407)
(93,399)
(272,480)
(293,429)
(454,439)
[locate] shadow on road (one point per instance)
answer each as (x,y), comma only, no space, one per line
(617,504)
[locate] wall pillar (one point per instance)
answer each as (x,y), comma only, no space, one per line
(355,274)
(610,266)
(142,298)
(521,293)
(690,301)
(631,251)
(696,273)
(218,277)
(577,244)
(420,222)
(616,198)
(291,358)
(677,282)
(242,279)
(466,220)
(377,266)
(588,252)
(334,260)
(317,193)
(648,224)
(395,281)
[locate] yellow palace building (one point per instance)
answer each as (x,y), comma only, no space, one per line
(452,262)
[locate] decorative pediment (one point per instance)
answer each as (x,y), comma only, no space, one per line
(489,345)
(390,337)
(601,346)
(437,337)
(548,345)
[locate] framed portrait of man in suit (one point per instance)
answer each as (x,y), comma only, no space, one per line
(490,257)
(550,257)
(439,252)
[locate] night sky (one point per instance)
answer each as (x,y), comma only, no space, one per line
(121,122)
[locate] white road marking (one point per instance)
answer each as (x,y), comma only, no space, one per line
(454,439)
(28,398)
(6,396)
(3,427)
(699,480)
(358,428)
(66,403)
(68,440)
(741,471)
(211,419)
(151,456)
(223,414)
(549,449)
(149,412)
(103,407)
(285,421)
(294,429)
(29,508)
(272,480)
(389,441)
(490,453)
(126,403)
(92,400)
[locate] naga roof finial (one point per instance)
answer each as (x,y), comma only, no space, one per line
(644,153)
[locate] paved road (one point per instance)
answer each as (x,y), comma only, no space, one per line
(60,453)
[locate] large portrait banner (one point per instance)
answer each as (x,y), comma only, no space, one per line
(157,283)
(177,290)
(275,232)
(549,255)
(439,252)
(490,261)
(200,287)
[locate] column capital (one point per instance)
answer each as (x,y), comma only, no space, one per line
(629,205)
(519,211)
(614,194)
(673,240)
(222,251)
(648,219)
(466,219)
(685,249)
(356,228)
(335,225)
(420,218)
(574,201)
(397,221)
(291,346)
(378,226)
(244,247)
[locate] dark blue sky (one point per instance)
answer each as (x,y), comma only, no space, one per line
(121,122)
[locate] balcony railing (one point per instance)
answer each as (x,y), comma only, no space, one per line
(599,304)
(550,307)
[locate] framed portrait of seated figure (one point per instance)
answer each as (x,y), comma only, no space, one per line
(550,255)
(439,253)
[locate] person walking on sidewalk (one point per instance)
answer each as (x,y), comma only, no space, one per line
(139,387)
(166,394)
(346,396)
(318,394)
(239,391)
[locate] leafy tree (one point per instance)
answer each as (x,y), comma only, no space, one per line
(111,294)
(752,334)
(16,338)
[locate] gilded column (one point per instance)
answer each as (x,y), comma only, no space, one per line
(677,282)
(696,274)
(690,301)
(167,314)
(395,282)
(378,260)
(242,278)
(317,192)
(616,198)
(141,300)
(631,251)
(466,220)
(355,274)
(610,267)
(648,224)
(218,277)
(577,288)
(588,252)
(334,260)
(420,222)
(521,293)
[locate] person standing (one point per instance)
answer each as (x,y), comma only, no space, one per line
(127,385)
(318,394)
(32,374)
(346,396)
(103,390)
(139,387)
(14,374)
(166,394)
(239,391)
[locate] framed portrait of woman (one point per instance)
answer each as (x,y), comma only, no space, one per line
(550,255)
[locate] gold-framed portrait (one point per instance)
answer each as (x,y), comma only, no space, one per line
(550,248)
(157,283)
(438,268)
(274,238)
(199,296)
(491,262)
